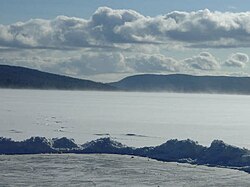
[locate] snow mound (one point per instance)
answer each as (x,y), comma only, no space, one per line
(187,151)
(64,143)
(106,145)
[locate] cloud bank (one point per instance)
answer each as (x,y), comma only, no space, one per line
(111,28)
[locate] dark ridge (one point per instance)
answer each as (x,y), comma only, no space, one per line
(225,155)
(20,77)
(218,154)
(185,84)
(64,143)
(25,78)
(106,145)
(34,145)
(175,149)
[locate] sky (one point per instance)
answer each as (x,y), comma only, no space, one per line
(107,40)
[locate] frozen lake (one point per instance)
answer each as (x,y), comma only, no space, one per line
(110,170)
(153,117)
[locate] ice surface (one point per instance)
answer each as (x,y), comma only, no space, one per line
(110,170)
(156,117)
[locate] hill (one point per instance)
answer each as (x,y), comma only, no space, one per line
(20,77)
(185,83)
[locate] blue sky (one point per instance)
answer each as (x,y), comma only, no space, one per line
(108,40)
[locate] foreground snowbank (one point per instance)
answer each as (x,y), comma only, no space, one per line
(110,170)
(185,151)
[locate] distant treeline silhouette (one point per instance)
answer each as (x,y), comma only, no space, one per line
(20,77)
(185,83)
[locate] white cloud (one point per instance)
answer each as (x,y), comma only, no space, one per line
(203,61)
(91,64)
(237,60)
(108,28)
(108,65)
(105,21)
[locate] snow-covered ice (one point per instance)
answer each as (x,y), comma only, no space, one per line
(135,119)
(110,170)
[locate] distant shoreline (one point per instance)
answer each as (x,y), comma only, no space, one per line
(15,77)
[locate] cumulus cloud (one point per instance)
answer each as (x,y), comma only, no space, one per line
(237,60)
(105,21)
(91,64)
(203,61)
(110,28)
(68,32)
(115,62)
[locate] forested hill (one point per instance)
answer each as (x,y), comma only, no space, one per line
(185,83)
(20,77)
